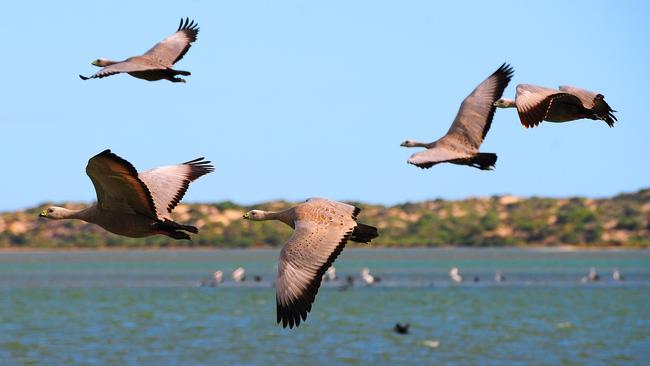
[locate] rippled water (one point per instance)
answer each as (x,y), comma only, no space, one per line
(147,308)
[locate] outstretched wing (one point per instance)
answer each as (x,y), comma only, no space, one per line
(474,117)
(168,184)
(118,187)
(594,101)
(321,232)
(168,51)
(534,103)
(133,64)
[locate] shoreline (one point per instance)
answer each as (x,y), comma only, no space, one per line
(558,248)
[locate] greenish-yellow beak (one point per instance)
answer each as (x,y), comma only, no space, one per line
(94,63)
(247,216)
(43,213)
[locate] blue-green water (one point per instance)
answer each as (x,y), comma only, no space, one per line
(147,308)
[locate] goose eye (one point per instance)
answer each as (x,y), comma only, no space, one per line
(50,210)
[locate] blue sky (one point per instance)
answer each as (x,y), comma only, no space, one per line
(292,99)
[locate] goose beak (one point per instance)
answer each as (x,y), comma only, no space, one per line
(495,104)
(403,144)
(43,213)
(247,216)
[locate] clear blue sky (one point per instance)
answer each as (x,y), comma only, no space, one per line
(292,99)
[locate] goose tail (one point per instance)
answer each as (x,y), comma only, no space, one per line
(484,161)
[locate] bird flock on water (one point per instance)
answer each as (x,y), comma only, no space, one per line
(138,204)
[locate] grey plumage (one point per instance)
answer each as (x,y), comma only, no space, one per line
(132,204)
(536,104)
(461,143)
(156,63)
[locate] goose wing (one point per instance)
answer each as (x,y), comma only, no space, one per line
(168,51)
(594,101)
(133,64)
(118,187)
(475,115)
(534,103)
(168,184)
(321,231)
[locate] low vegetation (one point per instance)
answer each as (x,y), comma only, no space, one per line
(623,220)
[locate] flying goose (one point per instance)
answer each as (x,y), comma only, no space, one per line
(135,204)
(155,64)
(461,143)
(536,104)
(321,230)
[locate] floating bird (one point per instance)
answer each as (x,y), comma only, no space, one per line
(592,276)
(499,277)
(321,230)
(349,282)
(455,275)
(330,274)
(367,278)
(239,274)
(155,64)
(536,104)
(218,277)
(461,143)
(616,275)
(431,343)
(135,204)
(401,328)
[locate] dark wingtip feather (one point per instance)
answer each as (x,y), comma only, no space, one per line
(83,77)
(188,24)
(503,74)
(505,69)
(355,213)
(199,167)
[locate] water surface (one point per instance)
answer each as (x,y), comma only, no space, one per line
(148,308)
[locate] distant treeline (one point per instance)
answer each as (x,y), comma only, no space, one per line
(623,220)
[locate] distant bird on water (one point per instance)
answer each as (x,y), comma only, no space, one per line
(321,230)
(536,104)
(461,143)
(330,274)
(616,275)
(135,204)
(367,278)
(455,275)
(218,277)
(239,274)
(499,277)
(401,328)
(592,276)
(155,64)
